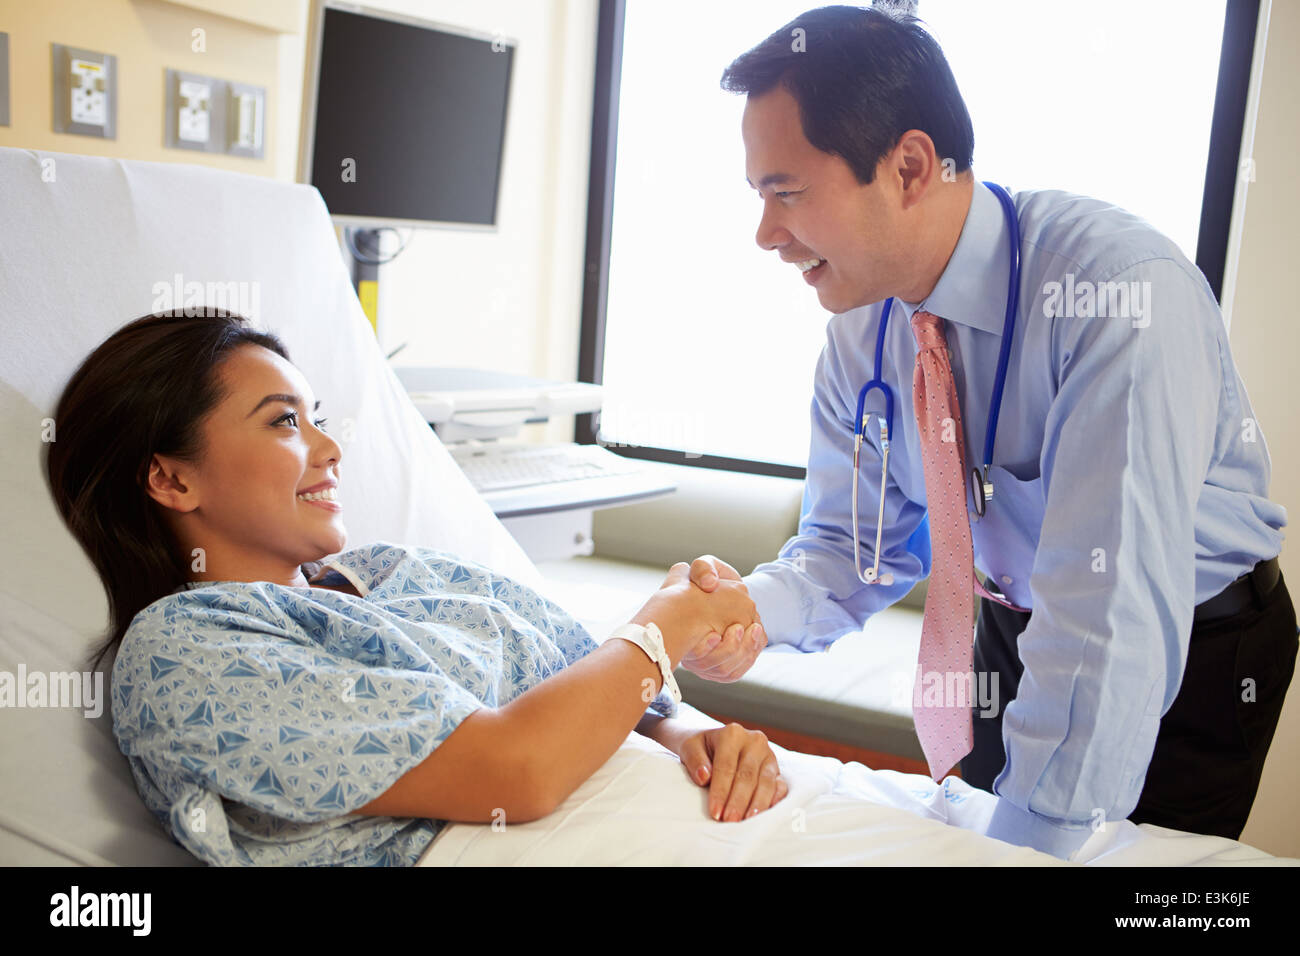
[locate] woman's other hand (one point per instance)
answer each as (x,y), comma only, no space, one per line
(739,768)
(728,654)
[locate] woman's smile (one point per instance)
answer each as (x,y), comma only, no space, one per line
(326,498)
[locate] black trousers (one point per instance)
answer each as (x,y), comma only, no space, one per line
(1210,750)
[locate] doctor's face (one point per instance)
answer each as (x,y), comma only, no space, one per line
(263,446)
(815,210)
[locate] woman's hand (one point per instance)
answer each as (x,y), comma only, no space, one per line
(687,615)
(738,767)
(726,656)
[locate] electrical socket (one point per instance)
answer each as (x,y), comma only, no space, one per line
(196,112)
(193,119)
(85,91)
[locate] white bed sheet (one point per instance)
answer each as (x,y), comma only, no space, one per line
(641,809)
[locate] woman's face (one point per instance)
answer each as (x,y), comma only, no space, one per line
(263,447)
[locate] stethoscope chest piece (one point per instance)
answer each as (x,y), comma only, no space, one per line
(981,489)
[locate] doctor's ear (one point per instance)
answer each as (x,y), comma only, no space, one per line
(165,482)
(916,164)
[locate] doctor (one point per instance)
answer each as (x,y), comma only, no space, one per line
(1111,481)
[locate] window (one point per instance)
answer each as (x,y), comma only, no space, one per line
(707,345)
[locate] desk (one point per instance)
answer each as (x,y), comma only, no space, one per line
(554,521)
(583,493)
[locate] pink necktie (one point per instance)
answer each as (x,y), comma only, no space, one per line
(947,634)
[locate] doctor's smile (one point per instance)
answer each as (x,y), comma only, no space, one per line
(811,268)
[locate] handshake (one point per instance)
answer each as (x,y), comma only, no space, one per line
(710,625)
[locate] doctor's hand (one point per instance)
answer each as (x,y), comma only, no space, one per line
(739,768)
(725,656)
(689,616)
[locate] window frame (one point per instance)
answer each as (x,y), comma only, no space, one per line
(1221,171)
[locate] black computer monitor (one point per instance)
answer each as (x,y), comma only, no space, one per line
(405,119)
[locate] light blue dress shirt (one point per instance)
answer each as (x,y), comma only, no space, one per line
(256,717)
(1130,484)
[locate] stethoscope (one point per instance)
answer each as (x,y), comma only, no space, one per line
(981,485)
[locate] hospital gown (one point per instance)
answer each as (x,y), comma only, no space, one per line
(256,716)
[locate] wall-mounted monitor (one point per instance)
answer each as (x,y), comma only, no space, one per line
(405,119)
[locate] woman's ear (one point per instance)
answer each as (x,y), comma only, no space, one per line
(167,483)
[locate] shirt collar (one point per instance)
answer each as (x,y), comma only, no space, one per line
(973,288)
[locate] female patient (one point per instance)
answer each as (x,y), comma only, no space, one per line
(278,711)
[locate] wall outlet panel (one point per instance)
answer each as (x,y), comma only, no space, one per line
(4,79)
(85,91)
(196,112)
(212,115)
(246,120)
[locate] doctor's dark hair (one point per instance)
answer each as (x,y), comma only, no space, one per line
(144,391)
(862,78)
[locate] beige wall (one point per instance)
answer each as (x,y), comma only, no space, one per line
(1265,341)
(148,37)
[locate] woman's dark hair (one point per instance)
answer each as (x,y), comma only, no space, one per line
(144,391)
(862,78)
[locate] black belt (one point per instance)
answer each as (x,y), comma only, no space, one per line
(1256,584)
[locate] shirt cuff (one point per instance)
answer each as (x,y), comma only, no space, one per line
(1012,824)
(781,617)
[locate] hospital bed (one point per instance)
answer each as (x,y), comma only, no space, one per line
(86,245)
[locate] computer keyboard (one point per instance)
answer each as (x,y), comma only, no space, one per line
(524,466)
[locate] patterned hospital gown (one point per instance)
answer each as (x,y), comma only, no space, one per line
(256,716)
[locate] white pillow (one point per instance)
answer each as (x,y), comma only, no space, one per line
(86,245)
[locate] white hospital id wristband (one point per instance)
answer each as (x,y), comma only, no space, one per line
(651,640)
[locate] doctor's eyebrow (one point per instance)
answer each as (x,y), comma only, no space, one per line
(281,397)
(772,179)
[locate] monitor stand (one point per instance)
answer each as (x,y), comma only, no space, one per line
(365,275)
